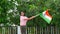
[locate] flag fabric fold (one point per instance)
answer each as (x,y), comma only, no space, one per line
(46,16)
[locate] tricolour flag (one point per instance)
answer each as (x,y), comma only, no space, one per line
(46,16)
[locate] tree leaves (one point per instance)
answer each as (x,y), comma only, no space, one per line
(9,11)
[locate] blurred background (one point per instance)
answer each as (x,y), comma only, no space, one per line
(10,14)
(10,11)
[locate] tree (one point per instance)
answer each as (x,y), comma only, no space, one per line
(10,11)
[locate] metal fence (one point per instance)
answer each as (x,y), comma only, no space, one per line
(43,30)
(30,30)
(8,30)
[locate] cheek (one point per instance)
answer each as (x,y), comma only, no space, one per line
(22,13)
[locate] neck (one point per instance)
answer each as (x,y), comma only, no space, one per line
(22,15)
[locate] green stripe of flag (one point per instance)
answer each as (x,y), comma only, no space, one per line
(47,20)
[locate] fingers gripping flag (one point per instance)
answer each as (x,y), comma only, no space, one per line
(46,16)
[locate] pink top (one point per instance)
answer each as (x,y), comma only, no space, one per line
(23,21)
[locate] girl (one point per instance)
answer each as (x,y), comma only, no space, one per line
(23,21)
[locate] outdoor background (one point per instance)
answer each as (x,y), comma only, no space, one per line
(10,12)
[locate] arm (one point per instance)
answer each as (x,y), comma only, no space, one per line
(32,17)
(29,18)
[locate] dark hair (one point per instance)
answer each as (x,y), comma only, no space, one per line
(23,12)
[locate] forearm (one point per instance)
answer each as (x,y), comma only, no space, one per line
(34,16)
(31,17)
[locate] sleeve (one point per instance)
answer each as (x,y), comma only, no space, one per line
(25,18)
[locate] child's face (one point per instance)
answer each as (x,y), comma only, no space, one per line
(22,13)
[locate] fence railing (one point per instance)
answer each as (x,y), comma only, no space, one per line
(8,30)
(43,30)
(30,30)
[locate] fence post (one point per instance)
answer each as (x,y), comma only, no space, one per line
(34,30)
(18,30)
(8,29)
(3,30)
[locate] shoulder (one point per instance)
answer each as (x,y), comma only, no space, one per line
(25,16)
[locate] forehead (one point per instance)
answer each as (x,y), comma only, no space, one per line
(22,12)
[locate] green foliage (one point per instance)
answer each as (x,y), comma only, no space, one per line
(32,7)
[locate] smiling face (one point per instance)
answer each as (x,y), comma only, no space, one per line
(22,13)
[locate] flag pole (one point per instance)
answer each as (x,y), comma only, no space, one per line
(37,15)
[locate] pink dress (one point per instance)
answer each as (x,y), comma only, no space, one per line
(23,20)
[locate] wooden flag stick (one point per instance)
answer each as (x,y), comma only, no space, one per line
(37,15)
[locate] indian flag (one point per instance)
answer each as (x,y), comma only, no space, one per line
(46,16)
